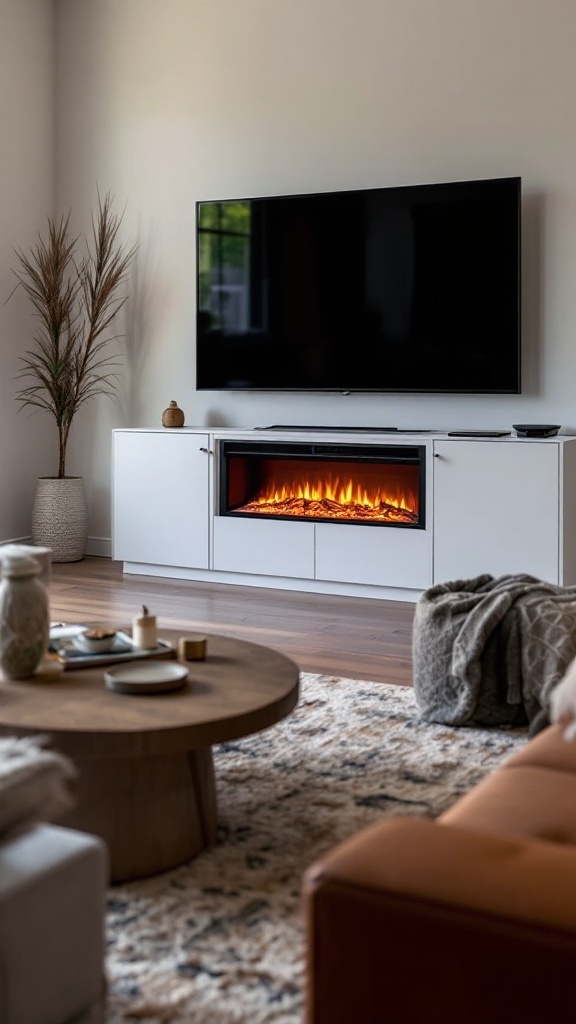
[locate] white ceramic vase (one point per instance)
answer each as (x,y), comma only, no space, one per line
(24,617)
(60,517)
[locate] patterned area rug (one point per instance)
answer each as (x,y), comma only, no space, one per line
(220,940)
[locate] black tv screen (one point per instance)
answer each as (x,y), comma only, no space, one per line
(404,289)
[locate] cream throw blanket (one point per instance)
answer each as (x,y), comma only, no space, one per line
(488,651)
(36,783)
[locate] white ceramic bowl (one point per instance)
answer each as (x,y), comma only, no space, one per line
(95,641)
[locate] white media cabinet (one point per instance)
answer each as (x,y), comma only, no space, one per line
(493,505)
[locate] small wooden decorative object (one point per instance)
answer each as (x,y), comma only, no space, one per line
(173,416)
(192,647)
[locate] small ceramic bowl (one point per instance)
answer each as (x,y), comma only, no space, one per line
(95,641)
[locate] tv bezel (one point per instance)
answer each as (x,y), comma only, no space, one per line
(515,180)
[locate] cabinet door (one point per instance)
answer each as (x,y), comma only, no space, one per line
(496,509)
(160,492)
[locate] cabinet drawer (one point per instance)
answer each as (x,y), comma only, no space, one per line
(264,548)
(377,555)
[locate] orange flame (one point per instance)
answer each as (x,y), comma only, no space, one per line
(331,498)
(342,493)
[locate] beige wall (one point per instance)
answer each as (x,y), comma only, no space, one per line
(28,448)
(167,102)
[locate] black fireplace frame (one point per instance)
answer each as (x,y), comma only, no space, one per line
(316,451)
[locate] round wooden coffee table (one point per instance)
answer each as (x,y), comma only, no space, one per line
(146,772)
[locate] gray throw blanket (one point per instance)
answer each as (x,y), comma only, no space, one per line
(488,651)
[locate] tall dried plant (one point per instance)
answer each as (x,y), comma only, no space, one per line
(75,300)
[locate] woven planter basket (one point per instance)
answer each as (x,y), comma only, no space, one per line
(60,517)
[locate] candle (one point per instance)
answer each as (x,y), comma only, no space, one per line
(144,630)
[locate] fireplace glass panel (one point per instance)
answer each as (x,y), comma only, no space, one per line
(382,489)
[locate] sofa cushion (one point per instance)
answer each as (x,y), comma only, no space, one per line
(35,783)
(549,749)
(527,802)
(411,922)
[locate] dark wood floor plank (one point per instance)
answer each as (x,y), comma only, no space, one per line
(358,638)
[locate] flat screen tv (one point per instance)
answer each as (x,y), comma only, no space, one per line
(403,289)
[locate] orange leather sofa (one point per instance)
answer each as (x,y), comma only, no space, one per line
(466,919)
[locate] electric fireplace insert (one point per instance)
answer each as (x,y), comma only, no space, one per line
(371,485)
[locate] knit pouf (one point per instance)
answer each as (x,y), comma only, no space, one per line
(60,517)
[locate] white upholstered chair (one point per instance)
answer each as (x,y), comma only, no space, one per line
(53,884)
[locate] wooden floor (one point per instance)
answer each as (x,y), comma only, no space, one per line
(358,638)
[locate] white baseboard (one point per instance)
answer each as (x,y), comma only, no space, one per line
(273,582)
(99,546)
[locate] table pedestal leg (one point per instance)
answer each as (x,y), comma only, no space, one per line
(154,813)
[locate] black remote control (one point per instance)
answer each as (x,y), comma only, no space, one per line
(479,433)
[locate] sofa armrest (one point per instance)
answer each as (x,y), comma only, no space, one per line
(52,904)
(413,922)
